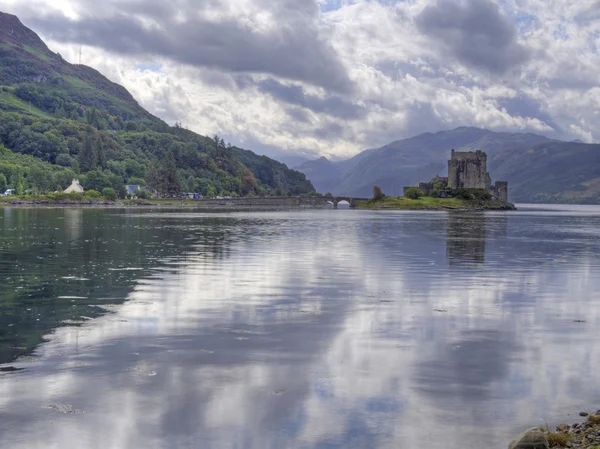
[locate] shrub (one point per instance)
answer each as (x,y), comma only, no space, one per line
(558,439)
(378,195)
(58,196)
(109,193)
(143,194)
(472,194)
(413,193)
(92,194)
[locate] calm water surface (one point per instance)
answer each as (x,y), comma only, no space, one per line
(320,329)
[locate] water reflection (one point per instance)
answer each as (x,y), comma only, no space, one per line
(466,237)
(328,329)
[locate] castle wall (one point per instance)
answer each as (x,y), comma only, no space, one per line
(500,191)
(467,170)
(426,188)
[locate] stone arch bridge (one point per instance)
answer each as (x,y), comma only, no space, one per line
(280,202)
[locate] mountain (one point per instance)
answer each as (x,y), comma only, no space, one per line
(538,169)
(322,173)
(60,120)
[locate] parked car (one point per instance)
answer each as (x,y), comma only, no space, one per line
(9,192)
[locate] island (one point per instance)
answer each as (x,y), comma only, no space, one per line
(468,186)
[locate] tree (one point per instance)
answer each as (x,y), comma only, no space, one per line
(378,195)
(96,180)
(413,193)
(39,179)
(62,178)
(136,182)
(109,193)
(3,183)
(162,176)
(64,160)
(99,153)
(87,156)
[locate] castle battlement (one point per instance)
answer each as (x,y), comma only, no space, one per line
(468,170)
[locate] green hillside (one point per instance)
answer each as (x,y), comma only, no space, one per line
(82,125)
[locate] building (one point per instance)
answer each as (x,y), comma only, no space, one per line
(75,187)
(466,170)
(133,189)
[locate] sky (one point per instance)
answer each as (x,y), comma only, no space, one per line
(335,77)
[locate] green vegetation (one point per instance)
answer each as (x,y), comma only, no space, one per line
(109,193)
(594,419)
(62,121)
(428,203)
(414,199)
(413,193)
(558,439)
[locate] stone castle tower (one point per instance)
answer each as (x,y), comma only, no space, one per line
(468,170)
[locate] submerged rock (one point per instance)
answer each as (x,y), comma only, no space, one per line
(530,439)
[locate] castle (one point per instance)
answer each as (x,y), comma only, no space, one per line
(467,170)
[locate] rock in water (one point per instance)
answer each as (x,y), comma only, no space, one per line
(530,439)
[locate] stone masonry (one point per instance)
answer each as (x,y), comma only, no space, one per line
(468,170)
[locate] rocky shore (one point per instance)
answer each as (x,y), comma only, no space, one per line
(585,435)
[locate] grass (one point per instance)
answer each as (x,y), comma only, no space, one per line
(36,52)
(558,439)
(50,198)
(594,419)
(10,102)
(426,203)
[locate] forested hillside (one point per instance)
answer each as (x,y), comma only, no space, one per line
(73,122)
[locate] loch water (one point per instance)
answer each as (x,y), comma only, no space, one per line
(295,329)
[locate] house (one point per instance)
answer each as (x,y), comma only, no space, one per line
(75,187)
(132,189)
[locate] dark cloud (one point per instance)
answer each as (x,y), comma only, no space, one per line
(475,33)
(333,105)
(180,30)
(526,106)
(331,131)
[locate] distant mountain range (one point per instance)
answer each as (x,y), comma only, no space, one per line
(538,169)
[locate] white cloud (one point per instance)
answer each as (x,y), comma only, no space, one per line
(404,81)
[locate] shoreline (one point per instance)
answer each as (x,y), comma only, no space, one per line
(435,204)
(581,435)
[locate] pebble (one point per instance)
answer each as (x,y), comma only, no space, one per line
(584,435)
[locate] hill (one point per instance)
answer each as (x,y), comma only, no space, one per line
(74,122)
(538,169)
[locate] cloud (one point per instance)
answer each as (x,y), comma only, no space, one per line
(333,78)
(329,104)
(474,32)
(279,38)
